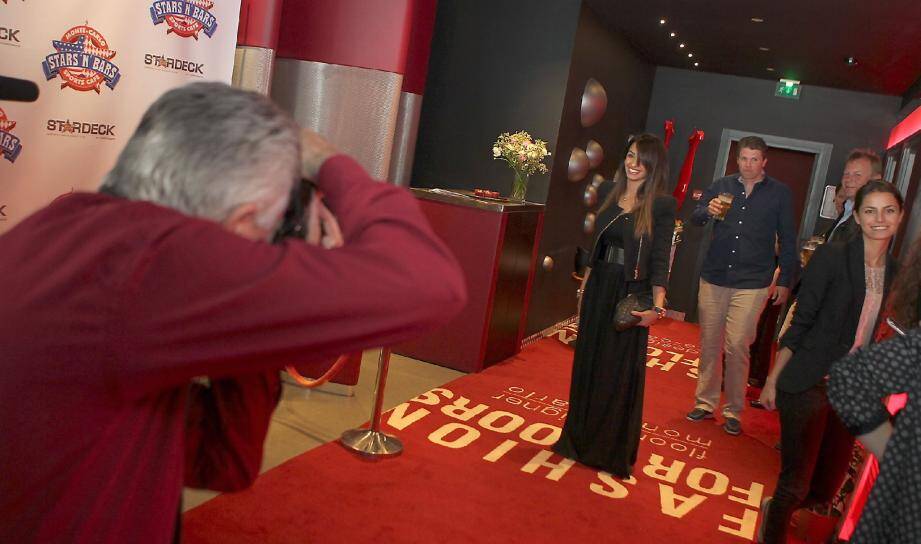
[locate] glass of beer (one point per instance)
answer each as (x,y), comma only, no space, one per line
(806,253)
(809,247)
(725,204)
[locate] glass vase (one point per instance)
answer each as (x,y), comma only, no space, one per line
(519,186)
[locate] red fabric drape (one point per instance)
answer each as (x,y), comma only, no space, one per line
(669,132)
(684,179)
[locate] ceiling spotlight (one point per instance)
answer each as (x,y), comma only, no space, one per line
(762,48)
(681,45)
(662,21)
(690,55)
(851,61)
(696,64)
(673,34)
(757,20)
(769,69)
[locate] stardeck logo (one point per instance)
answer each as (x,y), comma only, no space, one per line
(173,64)
(83,60)
(10,145)
(80,129)
(185,18)
(9,36)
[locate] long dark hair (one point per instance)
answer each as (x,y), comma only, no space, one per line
(902,303)
(652,155)
(906,290)
(876,186)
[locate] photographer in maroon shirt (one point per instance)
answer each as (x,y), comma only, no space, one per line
(113,301)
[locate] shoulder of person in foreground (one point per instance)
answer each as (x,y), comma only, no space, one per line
(207,302)
(859,382)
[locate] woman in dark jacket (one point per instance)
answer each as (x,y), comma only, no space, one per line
(837,309)
(630,256)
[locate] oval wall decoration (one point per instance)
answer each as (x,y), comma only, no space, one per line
(588,226)
(594,103)
(590,198)
(578,165)
(595,153)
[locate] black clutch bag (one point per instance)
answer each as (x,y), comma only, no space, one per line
(623,316)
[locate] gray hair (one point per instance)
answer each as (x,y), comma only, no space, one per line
(206,148)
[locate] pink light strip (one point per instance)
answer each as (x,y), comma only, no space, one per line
(907,128)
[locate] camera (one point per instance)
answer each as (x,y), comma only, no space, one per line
(294,221)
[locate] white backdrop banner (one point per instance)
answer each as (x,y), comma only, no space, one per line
(98,65)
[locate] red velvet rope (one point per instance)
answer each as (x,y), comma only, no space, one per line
(308,383)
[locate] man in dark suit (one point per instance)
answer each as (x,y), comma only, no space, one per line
(862,166)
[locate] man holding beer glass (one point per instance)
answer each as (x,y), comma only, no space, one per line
(751,211)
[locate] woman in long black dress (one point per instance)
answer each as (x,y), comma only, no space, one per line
(630,255)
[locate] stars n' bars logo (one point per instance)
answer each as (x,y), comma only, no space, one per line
(185,18)
(10,145)
(83,60)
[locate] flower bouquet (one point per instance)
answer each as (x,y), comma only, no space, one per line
(524,155)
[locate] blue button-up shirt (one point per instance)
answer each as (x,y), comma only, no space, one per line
(741,254)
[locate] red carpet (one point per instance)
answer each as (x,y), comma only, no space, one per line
(477,468)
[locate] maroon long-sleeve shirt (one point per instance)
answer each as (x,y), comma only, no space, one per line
(108,307)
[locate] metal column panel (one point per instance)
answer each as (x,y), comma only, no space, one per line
(252,68)
(404,143)
(355,108)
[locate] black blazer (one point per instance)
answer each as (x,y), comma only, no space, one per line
(827,313)
(644,259)
(846,232)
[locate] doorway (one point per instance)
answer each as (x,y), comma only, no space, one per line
(801,164)
(791,166)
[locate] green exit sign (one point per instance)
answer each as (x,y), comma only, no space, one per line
(787,88)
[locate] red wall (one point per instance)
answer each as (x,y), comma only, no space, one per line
(420,41)
(259,22)
(361,33)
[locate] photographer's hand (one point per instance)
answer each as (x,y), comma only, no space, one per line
(315,149)
(323,228)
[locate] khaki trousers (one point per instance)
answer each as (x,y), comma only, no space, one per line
(728,323)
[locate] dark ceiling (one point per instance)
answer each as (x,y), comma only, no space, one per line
(808,40)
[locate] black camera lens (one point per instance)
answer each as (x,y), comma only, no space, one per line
(294,221)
